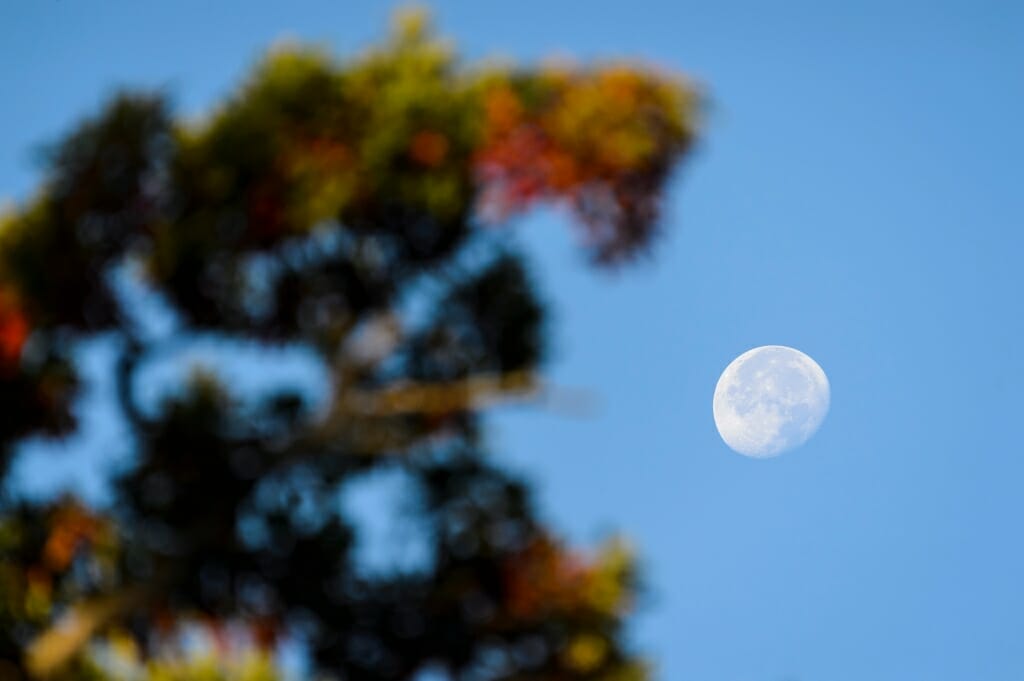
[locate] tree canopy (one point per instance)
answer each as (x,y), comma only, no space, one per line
(348,208)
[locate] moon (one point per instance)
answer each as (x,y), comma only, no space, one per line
(769,400)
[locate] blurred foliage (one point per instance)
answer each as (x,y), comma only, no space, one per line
(309,209)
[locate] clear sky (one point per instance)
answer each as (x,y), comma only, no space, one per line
(856,195)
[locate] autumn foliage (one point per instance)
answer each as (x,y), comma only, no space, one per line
(307,210)
(13,330)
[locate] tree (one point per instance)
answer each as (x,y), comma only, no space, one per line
(342,208)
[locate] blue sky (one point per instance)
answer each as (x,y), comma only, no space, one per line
(856,195)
